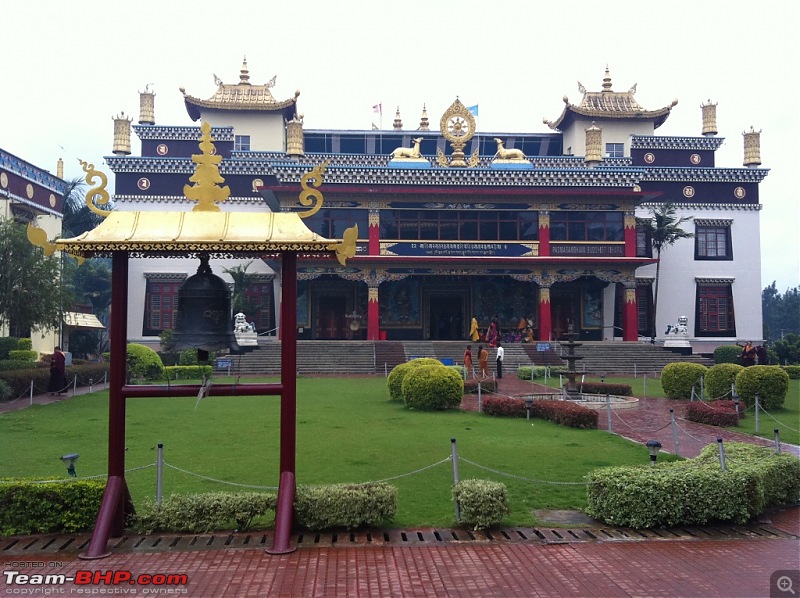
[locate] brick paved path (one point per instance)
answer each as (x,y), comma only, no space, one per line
(653,568)
(650,420)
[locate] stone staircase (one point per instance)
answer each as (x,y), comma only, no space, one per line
(370,357)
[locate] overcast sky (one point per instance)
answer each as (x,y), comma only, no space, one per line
(66,72)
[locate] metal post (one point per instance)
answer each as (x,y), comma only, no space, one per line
(159,472)
(644,382)
(757,408)
(634,370)
(74,384)
(90,384)
(691,397)
(702,387)
(31,392)
(480,402)
(454,455)
(674,432)
(777,442)
(608,411)
(721,454)
(386,370)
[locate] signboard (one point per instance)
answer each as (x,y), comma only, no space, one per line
(460,249)
(542,346)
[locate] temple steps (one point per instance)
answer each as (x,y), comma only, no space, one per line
(331,357)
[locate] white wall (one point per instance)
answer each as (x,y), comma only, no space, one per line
(613,132)
(267,131)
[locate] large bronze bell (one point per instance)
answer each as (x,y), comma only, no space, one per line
(204,313)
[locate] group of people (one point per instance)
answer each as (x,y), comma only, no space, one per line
(483,361)
(752,355)
(522,334)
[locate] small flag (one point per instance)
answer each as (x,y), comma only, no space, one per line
(374,127)
(473,110)
(378,108)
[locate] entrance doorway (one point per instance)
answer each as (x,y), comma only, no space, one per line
(331,317)
(563,311)
(446,317)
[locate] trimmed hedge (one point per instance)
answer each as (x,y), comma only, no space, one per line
(187,372)
(144,363)
(6,392)
(711,414)
(432,387)
(678,378)
(769,382)
(563,413)
(793,371)
(16,364)
(606,388)
(198,513)
(32,508)
(528,372)
(345,505)
(696,491)
(20,380)
(481,503)
(719,378)
(7,343)
(395,378)
(728,354)
(25,344)
(23,355)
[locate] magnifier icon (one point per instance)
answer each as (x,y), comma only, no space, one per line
(784,584)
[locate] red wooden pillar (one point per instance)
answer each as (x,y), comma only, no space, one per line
(630,319)
(373,316)
(544,233)
(284,511)
(116,501)
(630,234)
(545,324)
(374,233)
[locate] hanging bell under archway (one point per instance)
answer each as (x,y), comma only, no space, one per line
(204,313)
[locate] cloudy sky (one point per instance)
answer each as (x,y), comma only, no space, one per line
(66,73)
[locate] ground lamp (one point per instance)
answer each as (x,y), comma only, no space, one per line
(69,461)
(653,446)
(202,232)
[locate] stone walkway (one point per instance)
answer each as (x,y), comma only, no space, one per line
(650,420)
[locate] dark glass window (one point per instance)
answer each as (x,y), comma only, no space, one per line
(241,143)
(713,243)
(615,150)
(332,222)
(586,226)
(472,225)
(259,305)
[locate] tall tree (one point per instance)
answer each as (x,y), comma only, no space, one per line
(241,280)
(781,312)
(664,230)
(31,293)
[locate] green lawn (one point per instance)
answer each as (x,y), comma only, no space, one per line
(347,431)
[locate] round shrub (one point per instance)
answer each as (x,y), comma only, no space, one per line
(395,379)
(24,344)
(432,387)
(677,379)
(144,363)
(719,378)
(769,382)
(727,354)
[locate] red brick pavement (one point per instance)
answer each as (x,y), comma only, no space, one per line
(650,420)
(652,568)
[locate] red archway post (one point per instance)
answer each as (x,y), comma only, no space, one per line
(545,325)
(116,500)
(284,511)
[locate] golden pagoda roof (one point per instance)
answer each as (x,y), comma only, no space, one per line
(609,104)
(193,231)
(240,96)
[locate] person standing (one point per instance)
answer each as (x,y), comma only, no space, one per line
(474,334)
(58,373)
(483,361)
(501,353)
(469,372)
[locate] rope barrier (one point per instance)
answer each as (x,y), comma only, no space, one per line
(511,475)
(777,421)
(90,477)
(667,425)
(210,479)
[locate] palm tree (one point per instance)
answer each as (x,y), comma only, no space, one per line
(664,229)
(241,280)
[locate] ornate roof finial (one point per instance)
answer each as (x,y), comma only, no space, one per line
(594,146)
(752,147)
(709,118)
(398,123)
(244,74)
(607,81)
(423,121)
(206,190)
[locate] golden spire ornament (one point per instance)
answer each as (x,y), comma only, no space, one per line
(206,178)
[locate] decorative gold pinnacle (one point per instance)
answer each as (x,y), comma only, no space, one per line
(206,178)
